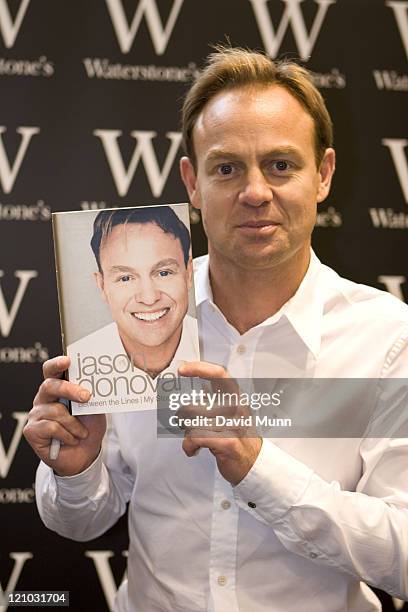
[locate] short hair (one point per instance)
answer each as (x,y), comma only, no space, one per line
(162,216)
(231,67)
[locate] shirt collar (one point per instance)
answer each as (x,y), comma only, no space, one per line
(303,311)
(202,285)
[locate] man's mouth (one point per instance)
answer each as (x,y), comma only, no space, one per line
(258,229)
(150,316)
(257,224)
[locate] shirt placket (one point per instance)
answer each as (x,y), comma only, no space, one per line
(223,553)
(225,515)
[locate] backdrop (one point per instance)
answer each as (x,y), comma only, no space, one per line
(89,118)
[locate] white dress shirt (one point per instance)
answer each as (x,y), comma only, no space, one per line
(325,515)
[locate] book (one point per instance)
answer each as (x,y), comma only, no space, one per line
(126,302)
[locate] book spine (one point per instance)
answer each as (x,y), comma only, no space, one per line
(61,301)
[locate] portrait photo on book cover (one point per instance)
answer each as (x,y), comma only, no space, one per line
(126,298)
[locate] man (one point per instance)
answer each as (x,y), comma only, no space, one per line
(144,275)
(265,525)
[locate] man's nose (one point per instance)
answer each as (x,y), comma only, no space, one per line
(147,292)
(256,189)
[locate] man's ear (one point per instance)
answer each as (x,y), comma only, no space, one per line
(98,276)
(189,177)
(326,171)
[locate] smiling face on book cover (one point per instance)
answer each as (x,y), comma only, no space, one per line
(145,282)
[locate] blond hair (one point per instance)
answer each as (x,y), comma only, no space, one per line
(230,68)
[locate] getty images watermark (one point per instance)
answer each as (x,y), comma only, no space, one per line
(284,408)
(232,402)
(228,407)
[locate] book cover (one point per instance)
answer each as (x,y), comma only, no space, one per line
(126,300)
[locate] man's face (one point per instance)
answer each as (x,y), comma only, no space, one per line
(145,282)
(256,181)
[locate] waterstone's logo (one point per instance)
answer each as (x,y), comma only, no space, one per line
(388,218)
(293,19)
(400,10)
(292,16)
(9,310)
(143,152)
(159,35)
(8,315)
(9,172)
(160,31)
(391,79)
(10,585)
(9,30)
(393,284)
(7,456)
(104,572)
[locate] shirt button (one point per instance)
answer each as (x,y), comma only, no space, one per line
(252,504)
(313,555)
(241,349)
(226,504)
(222,580)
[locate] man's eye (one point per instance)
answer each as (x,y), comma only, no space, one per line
(164,273)
(125,278)
(281,165)
(226,169)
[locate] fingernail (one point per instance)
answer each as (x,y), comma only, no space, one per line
(182,364)
(84,395)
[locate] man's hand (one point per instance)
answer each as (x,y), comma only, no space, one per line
(234,449)
(81,437)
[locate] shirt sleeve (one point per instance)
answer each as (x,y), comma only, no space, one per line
(84,506)
(364,532)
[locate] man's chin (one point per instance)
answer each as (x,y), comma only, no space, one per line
(151,341)
(257,259)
